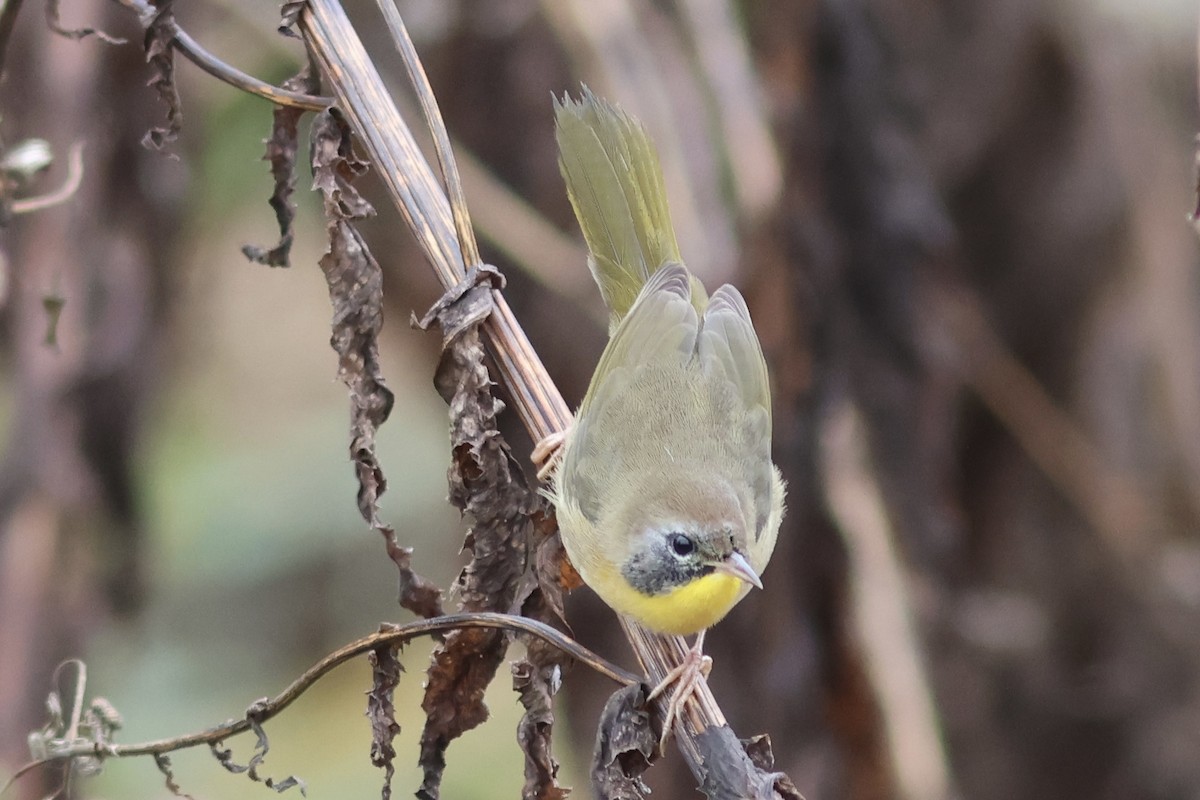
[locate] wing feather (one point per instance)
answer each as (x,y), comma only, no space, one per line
(728,347)
(661,325)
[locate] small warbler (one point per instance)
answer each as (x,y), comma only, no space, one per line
(668,502)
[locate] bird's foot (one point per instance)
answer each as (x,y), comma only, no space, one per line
(686,676)
(547,454)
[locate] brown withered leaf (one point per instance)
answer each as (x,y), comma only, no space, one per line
(356,293)
(459,672)
(416,593)
(161,58)
(335,168)
(758,748)
(540,594)
(625,745)
(540,597)
(487,485)
(385,677)
(734,769)
(536,687)
(281,150)
(163,762)
(262,746)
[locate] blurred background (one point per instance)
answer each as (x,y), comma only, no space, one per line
(961,228)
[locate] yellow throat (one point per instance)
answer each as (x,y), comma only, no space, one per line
(683,610)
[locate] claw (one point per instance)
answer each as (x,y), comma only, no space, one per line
(687,676)
(547,454)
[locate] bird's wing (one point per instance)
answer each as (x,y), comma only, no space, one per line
(616,187)
(661,327)
(727,348)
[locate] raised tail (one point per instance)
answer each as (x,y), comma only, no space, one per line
(616,188)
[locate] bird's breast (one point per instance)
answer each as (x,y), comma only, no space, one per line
(682,611)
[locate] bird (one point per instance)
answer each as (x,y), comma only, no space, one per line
(668,502)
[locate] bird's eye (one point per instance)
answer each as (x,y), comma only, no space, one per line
(682,545)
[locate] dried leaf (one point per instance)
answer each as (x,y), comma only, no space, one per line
(625,746)
(161,58)
(487,485)
(460,670)
(385,677)
(262,746)
(164,766)
(540,597)
(281,152)
(54,20)
(356,293)
(758,748)
(289,15)
(416,593)
(729,770)
(540,594)
(536,688)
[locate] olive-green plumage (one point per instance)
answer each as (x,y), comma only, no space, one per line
(615,185)
(667,499)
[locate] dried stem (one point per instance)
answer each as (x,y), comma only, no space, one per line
(194,52)
(214,66)
(441,138)
(267,709)
(418,195)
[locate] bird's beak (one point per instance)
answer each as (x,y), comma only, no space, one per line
(735,564)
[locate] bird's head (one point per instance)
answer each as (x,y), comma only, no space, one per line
(672,553)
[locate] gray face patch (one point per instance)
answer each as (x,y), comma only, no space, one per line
(660,567)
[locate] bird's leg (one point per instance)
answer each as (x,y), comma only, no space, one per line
(547,454)
(686,676)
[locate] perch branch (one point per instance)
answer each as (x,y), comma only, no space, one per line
(397,635)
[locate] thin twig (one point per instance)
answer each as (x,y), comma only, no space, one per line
(194,52)
(393,636)
(529,241)
(214,66)
(80,688)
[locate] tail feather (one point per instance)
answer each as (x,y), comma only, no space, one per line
(616,187)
